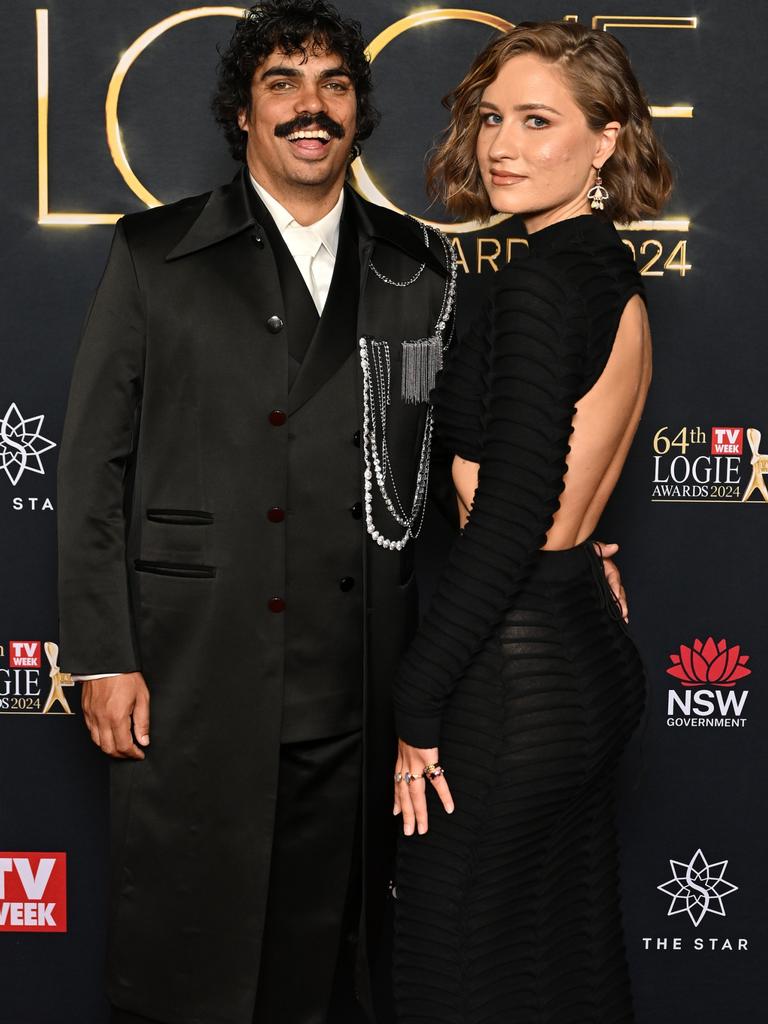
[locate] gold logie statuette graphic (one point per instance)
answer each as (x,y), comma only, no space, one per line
(759,466)
(59,680)
(362,177)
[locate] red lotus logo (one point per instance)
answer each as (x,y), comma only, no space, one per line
(709,662)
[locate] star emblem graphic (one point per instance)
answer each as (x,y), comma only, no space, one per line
(697,888)
(22,444)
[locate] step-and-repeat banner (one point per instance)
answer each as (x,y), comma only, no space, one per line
(105,110)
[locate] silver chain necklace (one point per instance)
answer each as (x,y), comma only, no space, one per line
(421,361)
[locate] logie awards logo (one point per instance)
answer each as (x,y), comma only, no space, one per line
(709,464)
(21,690)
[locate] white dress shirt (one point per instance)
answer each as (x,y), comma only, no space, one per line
(314,248)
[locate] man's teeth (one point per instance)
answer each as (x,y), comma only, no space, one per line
(325,136)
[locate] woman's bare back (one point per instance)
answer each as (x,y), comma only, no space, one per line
(604,426)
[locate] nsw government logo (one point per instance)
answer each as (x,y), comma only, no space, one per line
(33,892)
(22,692)
(709,464)
(696,890)
(707,673)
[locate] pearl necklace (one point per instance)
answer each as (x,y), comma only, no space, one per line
(375,364)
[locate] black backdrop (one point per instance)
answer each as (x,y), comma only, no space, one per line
(692,556)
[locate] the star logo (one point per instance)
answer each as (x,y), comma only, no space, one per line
(697,888)
(22,444)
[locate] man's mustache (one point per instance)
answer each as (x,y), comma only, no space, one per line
(320,120)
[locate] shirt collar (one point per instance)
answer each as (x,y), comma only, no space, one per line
(326,229)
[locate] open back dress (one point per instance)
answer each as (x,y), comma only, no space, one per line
(524,675)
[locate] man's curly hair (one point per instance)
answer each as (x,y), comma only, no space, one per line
(290,26)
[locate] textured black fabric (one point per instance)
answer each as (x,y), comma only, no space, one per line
(506,400)
(508,911)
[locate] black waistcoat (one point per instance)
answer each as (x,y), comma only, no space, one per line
(301,313)
(323,670)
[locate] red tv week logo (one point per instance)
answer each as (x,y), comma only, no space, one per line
(24,654)
(33,892)
(727,440)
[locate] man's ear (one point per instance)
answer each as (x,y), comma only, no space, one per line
(242,120)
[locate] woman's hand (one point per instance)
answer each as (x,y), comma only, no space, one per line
(410,797)
(612,575)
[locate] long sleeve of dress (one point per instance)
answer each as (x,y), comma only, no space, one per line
(461,393)
(538,332)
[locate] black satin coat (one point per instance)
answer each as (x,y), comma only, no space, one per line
(168,562)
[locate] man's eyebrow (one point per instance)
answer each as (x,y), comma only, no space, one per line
(339,72)
(279,71)
(282,72)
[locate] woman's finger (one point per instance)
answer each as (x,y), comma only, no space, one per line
(443,790)
(406,805)
(417,793)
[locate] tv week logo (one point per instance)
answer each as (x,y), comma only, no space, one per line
(24,654)
(33,892)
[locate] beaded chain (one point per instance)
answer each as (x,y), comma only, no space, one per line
(375,364)
(414,277)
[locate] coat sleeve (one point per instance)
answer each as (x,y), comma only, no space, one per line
(99,439)
(536,376)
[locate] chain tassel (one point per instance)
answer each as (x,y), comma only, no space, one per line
(422,361)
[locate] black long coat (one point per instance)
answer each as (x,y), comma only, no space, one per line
(168,563)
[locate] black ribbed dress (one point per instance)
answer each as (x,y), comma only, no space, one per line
(523,674)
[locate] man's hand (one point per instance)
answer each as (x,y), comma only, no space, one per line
(112,706)
(612,576)
(410,797)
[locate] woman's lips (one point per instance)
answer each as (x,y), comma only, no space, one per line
(506,178)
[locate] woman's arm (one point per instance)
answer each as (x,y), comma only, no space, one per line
(536,374)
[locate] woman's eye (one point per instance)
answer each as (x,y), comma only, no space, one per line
(534,121)
(494,120)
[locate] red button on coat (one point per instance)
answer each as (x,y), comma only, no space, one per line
(277,417)
(276,514)
(276,604)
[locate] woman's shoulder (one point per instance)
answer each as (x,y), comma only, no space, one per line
(534,283)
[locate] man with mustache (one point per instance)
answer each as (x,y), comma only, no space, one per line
(229,559)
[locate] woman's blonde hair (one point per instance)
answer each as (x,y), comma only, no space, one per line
(597,70)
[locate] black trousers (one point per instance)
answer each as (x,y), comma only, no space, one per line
(306,974)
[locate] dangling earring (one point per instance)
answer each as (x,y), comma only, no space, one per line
(598,193)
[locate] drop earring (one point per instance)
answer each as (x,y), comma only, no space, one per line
(598,193)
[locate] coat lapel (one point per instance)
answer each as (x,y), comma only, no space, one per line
(228,211)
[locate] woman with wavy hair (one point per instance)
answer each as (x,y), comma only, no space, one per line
(522,687)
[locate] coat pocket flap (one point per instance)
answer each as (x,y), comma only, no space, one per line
(179,516)
(181,569)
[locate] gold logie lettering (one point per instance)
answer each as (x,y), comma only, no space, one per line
(485,257)
(514,241)
(361,177)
